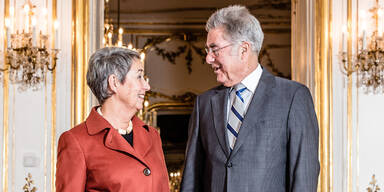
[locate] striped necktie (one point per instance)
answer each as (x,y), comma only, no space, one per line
(239,98)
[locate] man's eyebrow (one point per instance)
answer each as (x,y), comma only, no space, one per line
(212,45)
(140,70)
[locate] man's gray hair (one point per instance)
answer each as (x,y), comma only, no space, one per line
(105,62)
(240,25)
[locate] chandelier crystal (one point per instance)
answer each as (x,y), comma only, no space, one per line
(28,57)
(369,60)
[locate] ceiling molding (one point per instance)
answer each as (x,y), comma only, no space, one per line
(277,5)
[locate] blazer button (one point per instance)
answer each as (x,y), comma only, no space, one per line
(147,171)
(229,164)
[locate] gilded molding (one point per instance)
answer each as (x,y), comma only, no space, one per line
(187,97)
(349,96)
(323,78)
(169,106)
(150,112)
(277,5)
(53,105)
(80,47)
(5,112)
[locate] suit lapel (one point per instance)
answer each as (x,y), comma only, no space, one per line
(219,104)
(267,81)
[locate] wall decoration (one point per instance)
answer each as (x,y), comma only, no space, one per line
(188,39)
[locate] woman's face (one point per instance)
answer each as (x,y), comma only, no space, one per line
(131,92)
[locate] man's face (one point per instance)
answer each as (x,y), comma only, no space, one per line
(225,58)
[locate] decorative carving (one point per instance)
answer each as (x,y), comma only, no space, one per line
(187,97)
(264,56)
(29,182)
(373,186)
(188,39)
(272,4)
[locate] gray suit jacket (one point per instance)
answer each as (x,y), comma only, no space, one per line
(276,149)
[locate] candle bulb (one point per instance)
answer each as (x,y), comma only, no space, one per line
(7,30)
(44,25)
(56,26)
(120,38)
(11,18)
(364,36)
(380,25)
(41,40)
(121,34)
(110,39)
(142,56)
(343,40)
(119,43)
(26,10)
(34,32)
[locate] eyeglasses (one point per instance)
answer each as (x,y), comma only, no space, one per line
(215,50)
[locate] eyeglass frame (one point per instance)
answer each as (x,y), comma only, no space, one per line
(215,50)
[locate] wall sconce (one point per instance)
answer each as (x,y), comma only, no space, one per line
(28,58)
(369,60)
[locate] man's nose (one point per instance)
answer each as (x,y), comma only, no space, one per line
(209,59)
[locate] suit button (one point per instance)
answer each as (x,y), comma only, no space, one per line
(229,164)
(147,171)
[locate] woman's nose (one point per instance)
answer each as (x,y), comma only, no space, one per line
(147,87)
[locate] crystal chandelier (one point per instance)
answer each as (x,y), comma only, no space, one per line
(369,60)
(109,30)
(28,57)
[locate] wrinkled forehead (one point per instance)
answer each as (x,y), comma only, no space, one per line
(217,37)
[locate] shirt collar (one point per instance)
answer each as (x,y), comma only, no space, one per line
(252,80)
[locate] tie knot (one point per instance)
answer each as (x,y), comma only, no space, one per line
(240,88)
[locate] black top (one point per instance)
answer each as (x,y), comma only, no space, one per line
(129,137)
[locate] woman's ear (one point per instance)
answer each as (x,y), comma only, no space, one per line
(113,83)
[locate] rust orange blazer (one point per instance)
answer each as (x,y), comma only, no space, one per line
(93,156)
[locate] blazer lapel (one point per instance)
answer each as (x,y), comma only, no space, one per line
(142,140)
(116,142)
(219,104)
(266,83)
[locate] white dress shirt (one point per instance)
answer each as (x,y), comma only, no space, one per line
(250,82)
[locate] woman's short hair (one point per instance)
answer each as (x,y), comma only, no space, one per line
(240,25)
(105,62)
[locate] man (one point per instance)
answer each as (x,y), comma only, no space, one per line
(256,132)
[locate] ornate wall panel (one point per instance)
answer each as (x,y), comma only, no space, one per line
(35,119)
(350,127)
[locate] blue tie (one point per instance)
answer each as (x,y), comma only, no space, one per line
(236,114)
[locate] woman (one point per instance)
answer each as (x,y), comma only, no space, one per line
(113,150)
